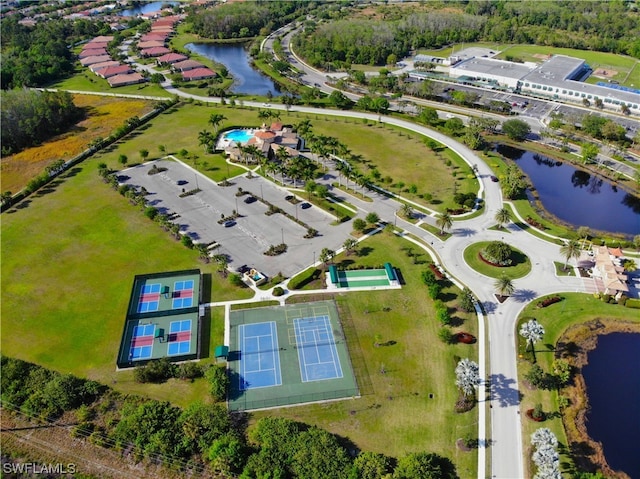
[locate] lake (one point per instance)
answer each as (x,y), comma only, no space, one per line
(236,59)
(613,387)
(142,8)
(576,196)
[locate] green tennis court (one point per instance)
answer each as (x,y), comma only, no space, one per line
(283,355)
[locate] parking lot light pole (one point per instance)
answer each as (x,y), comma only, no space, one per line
(282,232)
(261,195)
(237,212)
(314,257)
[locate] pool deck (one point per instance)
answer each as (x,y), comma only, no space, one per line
(224,142)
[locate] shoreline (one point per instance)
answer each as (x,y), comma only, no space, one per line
(587,453)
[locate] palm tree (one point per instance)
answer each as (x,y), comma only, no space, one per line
(303,128)
(629,265)
(570,250)
(444,222)
(215,119)
(532,331)
(406,211)
(6,197)
(264,115)
(326,255)
(253,151)
(503,216)
(504,286)
(205,139)
(467,376)
(350,245)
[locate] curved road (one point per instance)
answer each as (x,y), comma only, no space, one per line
(502,384)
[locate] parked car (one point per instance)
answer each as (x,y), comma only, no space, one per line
(250,199)
(305,206)
(494,179)
(229,224)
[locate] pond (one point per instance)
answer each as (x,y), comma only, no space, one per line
(613,388)
(144,7)
(236,59)
(576,196)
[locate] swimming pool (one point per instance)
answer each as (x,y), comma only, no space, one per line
(239,136)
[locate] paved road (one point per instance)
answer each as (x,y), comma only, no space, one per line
(504,394)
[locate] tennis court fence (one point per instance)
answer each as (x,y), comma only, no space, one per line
(241,404)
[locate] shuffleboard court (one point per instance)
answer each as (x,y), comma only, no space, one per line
(260,360)
(317,351)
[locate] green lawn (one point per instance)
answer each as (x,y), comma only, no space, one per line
(575,308)
(402,156)
(69,257)
(521,265)
(84,80)
(395,414)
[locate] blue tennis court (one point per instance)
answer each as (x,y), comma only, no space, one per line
(317,350)
(151,288)
(260,359)
(144,330)
(142,341)
(149,299)
(182,294)
(179,337)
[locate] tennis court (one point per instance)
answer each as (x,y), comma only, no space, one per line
(260,361)
(162,319)
(317,351)
(283,355)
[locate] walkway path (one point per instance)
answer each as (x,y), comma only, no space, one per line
(506,438)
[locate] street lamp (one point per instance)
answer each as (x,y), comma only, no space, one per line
(237,212)
(261,195)
(282,231)
(314,257)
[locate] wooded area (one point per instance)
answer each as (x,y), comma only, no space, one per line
(394,32)
(204,437)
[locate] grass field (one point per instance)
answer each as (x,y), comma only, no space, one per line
(104,114)
(403,157)
(85,80)
(520,267)
(574,309)
(395,414)
(69,257)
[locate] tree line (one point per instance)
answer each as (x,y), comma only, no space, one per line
(204,438)
(610,27)
(38,55)
(30,117)
(243,20)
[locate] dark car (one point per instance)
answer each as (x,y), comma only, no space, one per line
(229,224)
(250,199)
(494,179)
(288,197)
(305,206)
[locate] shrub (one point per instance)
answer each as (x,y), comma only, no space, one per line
(549,301)
(443,316)
(304,278)
(187,241)
(632,303)
(156,371)
(359,225)
(189,370)
(446,336)
(151,212)
(236,280)
(434,290)
(218,382)
(278,291)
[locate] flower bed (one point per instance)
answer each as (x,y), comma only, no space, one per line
(491,263)
(535,224)
(549,301)
(436,271)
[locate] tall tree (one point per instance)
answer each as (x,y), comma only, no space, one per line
(503,216)
(350,245)
(444,222)
(504,286)
(215,119)
(570,249)
(533,332)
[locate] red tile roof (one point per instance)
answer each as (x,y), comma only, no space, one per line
(127,79)
(94,59)
(198,73)
(155,52)
(113,71)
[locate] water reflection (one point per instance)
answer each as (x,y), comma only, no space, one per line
(576,196)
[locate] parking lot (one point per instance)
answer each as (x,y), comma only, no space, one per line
(253,232)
